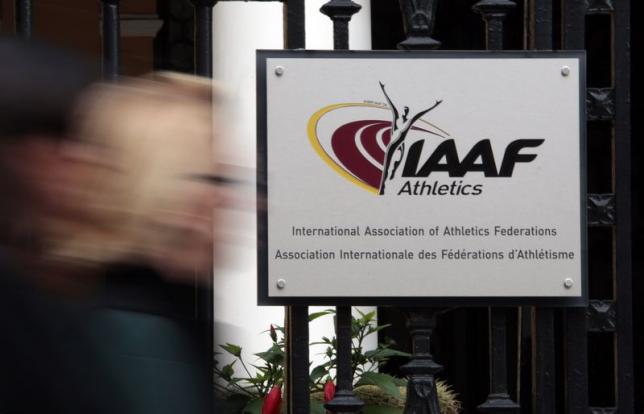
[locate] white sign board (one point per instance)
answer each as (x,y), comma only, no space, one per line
(444,178)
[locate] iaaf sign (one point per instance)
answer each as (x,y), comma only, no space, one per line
(435,178)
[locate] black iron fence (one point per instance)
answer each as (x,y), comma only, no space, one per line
(541,360)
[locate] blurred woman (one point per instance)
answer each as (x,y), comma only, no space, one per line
(109,225)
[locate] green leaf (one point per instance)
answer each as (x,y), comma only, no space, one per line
(378,328)
(234,403)
(316,315)
(318,372)
(254,406)
(256,380)
(385,381)
(232,349)
(277,328)
(317,407)
(385,353)
(379,409)
(401,382)
(227,371)
(368,317)
(275,355)
(261,368)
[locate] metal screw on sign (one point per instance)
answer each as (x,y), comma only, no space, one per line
(565,71)
(279,70)
(568,283)
(281,283)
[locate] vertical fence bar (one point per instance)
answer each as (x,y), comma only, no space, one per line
(203,67)
(576,361)
(298,379)
(422,396)
(419,17)
(543,366)
(340,12)
(543,319)
(24,18)
(295,25)
(111,39)
(344,400)
(298,316)
(498,401)
(541,24)
(574,24)
(622,188)
(494,13)
(203,37)
(575,331)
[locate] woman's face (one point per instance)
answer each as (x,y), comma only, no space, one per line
(154,203)
(172,205)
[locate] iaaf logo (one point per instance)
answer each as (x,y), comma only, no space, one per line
(371,153)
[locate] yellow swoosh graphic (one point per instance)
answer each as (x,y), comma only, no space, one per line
(315,142)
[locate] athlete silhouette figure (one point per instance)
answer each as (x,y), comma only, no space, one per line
(400,126)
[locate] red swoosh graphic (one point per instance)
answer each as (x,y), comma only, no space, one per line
(356,160)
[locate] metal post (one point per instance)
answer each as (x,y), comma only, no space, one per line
(494,13)
(543,319)
(543,361)
(422,396)
(340,11)
(295,25)
(111,39)
(203,36)
(344,400)
(498,400)
(298,343)
(298,316)
(623,239)
(419,17)
(575,324)
(24,18)
(203,67)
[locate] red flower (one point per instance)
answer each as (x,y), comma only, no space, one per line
(329,391)
(273,401)
(273,333)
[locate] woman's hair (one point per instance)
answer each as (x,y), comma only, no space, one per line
(39,85)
